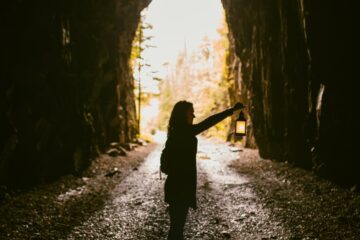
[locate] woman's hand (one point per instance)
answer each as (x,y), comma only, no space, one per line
(238,106)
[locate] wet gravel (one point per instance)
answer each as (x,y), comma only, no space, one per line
(240,196)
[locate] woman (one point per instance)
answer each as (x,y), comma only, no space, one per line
(180,185)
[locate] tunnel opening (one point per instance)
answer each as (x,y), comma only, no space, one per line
(177,57)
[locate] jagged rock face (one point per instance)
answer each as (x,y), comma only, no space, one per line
(66,87)
(287,56)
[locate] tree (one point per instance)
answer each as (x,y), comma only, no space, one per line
(199,78)
(137,62)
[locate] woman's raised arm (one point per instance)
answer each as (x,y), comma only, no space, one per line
(214,119)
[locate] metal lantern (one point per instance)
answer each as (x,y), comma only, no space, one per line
(240,127)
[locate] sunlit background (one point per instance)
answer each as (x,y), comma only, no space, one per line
(179,54)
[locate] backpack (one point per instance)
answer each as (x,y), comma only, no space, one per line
(165,159)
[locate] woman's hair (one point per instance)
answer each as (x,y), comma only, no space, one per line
(177,121)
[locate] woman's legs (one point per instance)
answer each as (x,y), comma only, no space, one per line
(178,213)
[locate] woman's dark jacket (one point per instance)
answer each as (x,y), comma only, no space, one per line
(180,184)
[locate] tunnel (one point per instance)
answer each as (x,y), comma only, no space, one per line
(67,88)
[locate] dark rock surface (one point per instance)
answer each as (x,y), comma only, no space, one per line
(293,63)
(66,90)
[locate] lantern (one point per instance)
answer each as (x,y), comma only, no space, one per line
(240,127)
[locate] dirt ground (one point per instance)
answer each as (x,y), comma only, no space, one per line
(240,196)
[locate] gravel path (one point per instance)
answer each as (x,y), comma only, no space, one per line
(228,209)
(135,209)
(240,196)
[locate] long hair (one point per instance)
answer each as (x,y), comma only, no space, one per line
(177,121)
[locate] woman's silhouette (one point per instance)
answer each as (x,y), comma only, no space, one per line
(180,184)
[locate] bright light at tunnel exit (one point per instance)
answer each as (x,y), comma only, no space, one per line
(176,25)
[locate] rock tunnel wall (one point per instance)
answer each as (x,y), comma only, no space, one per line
(294,65)
(67,90)
(66,86)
